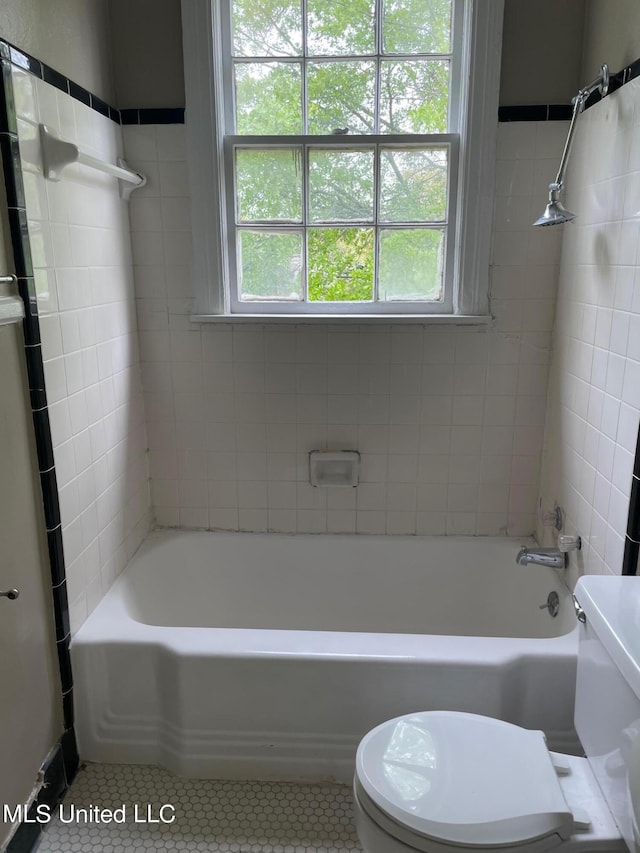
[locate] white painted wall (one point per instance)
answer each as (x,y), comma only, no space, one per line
(611,34)
(72,36)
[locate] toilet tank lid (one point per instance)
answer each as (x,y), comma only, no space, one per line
(612,606)
(463,779)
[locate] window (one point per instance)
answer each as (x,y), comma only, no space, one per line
(341,165)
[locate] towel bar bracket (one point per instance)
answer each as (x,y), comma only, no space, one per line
(58,154)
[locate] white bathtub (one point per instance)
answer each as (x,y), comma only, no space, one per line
(229,655)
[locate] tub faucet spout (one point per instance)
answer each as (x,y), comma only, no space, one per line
(542,557)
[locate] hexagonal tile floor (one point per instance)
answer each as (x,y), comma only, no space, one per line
(198,815)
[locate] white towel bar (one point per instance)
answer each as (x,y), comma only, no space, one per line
(57,155)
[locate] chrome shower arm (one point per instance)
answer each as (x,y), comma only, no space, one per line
(556,185)
(602,83)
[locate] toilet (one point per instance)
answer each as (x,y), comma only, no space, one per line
(448,782)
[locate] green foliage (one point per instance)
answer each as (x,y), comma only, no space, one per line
(340,264)
(341,27)
(340,185)
(341,94)
(412,99)
(414,96)
(269,184)
(411,263)
(268,98)
(413,184)
(270,265)
(267,28)
(411,26)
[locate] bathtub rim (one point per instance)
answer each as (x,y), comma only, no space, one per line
(272,643)
(316,750)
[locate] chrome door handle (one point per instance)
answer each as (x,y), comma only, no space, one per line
(11,594)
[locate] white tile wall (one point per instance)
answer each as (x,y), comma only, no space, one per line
(79,230)
(594,396)
(449,420)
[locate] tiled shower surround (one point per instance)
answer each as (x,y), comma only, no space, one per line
(79,234)
(594,392)
(449,420)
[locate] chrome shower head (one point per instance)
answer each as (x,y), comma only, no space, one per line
(555,214)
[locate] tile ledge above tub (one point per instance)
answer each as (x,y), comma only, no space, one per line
(358,319)
(11,309)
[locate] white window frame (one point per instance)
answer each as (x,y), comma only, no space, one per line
(473,197)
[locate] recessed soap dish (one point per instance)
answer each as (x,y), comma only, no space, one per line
(334,468)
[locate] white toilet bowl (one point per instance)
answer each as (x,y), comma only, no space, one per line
(446,782)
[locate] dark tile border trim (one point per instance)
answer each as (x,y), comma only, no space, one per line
(152,115)
(535,112)
(58,770)
(562,112)
(633,524)
(55,78)
(632,539)
(65,762)
(176,115)
(630,558)
(28,834)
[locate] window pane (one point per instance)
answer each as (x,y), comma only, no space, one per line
(414,96)
(341,27)
(413,185)
(411,264)
(340,263)
(270,265)
(341,95)
(340,186)
(416,26)
(268,98)
(269,185)
(267,29)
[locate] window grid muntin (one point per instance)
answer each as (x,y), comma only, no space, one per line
(304,269)
(305,216)
(378,40)
(378,57)
(456,99)
(379,61)
(305,92)
(378,7)
(365,142)
(376,189)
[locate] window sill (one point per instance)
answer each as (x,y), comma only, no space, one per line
(342,319)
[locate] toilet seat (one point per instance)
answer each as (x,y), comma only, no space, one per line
(461,779)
